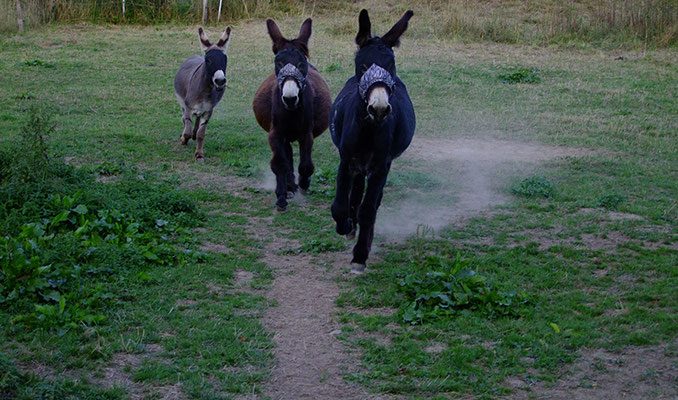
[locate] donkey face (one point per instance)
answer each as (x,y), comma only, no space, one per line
(215,58)
(375,65)
(291,62)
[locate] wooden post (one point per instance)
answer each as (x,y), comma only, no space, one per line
(123,8)
(204,11)
(19,18)
(219,13)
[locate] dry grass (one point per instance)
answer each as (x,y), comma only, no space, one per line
(141,11)
(649,22)
(637,23)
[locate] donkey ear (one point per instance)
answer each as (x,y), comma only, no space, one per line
(204,41)
(392,38)
(275,34)
(305,31)
(364,29)
(224,40)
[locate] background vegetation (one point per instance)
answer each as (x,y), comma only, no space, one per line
(651,23)
(581,259)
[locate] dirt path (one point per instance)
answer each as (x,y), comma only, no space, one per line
(310,361)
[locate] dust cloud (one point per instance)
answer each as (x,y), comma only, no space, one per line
(461,178)
(438,182)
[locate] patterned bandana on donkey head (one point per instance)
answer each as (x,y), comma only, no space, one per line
(290,71)
(373,75)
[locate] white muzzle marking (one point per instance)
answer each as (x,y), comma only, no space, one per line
(378,102)
(290,89)
(218,75)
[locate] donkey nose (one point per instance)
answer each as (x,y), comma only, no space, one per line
(220,81)
(380,112)
(290,101)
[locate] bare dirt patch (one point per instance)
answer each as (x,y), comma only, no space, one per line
(210,181)
(635,373)
(215,248)
(435,348)
(470,177)
(118,373)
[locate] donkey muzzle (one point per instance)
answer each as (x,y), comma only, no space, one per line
(290,94)
(378,106)
(219,80)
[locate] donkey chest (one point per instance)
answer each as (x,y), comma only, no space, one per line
(201,105)
(201,108)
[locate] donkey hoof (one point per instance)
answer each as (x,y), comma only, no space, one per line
(183,141)
(281,204)
(200,159)
(345,228)
(290,195)
(357,268)
(351,235)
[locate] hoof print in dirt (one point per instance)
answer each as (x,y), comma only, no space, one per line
(357,268)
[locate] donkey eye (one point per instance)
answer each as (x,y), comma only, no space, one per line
(279,64)
(363,67)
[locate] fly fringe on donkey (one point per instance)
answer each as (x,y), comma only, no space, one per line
(372,123)
(292,105)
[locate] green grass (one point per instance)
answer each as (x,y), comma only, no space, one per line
(110,93)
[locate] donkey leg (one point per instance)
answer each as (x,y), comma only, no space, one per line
(279,165)
(186,134)
(367,215)
(196,127)
(355,200)
(199,155)
(340,206)
(291,186)
(306,166)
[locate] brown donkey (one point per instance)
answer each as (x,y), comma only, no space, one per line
(199,85)
(292,104)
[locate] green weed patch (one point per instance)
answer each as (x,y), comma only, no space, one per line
(610,200)
(65,241)
(447,287)
(535,186)
(521,75)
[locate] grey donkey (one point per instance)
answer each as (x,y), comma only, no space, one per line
(199,85)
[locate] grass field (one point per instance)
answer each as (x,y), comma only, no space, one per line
(591,240)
